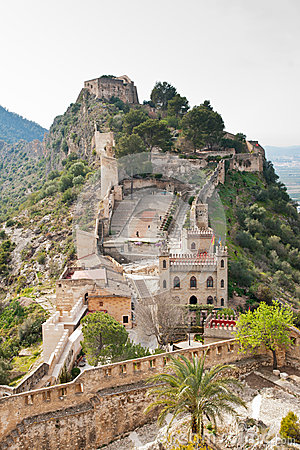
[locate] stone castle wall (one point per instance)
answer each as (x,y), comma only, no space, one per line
(69,401)
(107,87)
(247,162)
(103,403)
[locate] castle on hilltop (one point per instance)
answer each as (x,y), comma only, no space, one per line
(108,86)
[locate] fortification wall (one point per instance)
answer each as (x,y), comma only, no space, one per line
(86,243)
(43,405)
(103,403)
(247,162)
(142,183)
(221,153)
(107,87)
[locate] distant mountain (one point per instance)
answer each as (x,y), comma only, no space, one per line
(14,127)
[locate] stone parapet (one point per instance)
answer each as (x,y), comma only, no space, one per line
(98,391)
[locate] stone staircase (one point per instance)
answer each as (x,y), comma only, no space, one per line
(122,213)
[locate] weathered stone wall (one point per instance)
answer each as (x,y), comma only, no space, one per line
(27,383)
(247,162)
(106,87)
(100,404)
(117,306)
(68,292)
(142,183)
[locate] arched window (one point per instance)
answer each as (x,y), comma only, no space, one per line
(176,282)
(222,283)
(164,264)
(210,300)
(193,300)
(164,284)
(86,298)
(193,246)
(222,301)
(193,282)
(210,282)
(222,263)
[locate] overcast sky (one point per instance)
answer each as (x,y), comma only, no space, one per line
(242,55)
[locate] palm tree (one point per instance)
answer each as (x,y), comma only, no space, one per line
(189,389)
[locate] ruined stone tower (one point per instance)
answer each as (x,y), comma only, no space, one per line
(109,86)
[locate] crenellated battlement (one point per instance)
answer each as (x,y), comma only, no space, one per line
(103,396)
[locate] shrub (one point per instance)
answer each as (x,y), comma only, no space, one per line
(75,372)
(10,223)
(191,199)
(54,174)
(68,197)
(240,273)
(41,257)
(78,180)
(290,427)
(244,239)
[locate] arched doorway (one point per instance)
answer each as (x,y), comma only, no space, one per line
(193,300)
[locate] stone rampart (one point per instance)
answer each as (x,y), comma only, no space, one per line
(103,403)
(170,185)
(48,403)
(247,162)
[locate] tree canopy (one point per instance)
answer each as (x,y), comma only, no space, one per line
(154,133)
(134,118)
(106,340)
(159,316)
(203,126)
(191,390)
(178,106)
(103,337)
(267,325)
(128,145)
(162,93)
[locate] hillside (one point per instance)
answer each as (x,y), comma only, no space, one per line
(22,171)
(14,127)
(43,226)
(45,189)
(262,236)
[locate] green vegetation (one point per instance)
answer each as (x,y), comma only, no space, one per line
(203,126)
(290,428)
(22,171)
(191,390)
(226,312)
(106,340)
(268,326)
(262,229)
(161,94)
(20,327)
(6,247)
(14,127)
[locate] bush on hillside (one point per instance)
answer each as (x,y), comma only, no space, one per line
(290,427)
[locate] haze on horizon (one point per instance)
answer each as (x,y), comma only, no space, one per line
(241,55)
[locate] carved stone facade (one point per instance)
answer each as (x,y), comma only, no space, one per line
(109,86)
(199,274)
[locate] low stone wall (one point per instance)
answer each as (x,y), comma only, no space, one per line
(27,383)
